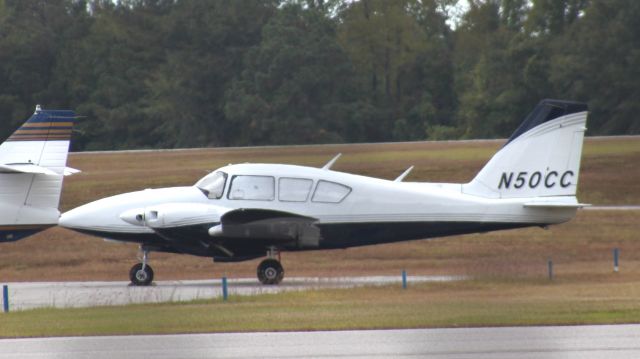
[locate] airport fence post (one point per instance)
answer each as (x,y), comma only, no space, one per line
(550,268)
(225,293)
(404,279)
(616,258)
(5,298)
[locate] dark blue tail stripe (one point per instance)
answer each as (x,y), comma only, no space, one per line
(546,111)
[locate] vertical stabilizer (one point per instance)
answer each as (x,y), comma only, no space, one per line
(32,166)
(540,159)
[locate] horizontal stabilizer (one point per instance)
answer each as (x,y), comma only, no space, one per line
(68,171)
(555,205)
(26,168)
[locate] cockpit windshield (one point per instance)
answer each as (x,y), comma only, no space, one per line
(212,185)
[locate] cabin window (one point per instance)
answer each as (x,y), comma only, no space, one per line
(256,188)
(212,185)
(294,189)
(330,192)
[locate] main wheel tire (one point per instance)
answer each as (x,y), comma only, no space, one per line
(270,272)
(140,276)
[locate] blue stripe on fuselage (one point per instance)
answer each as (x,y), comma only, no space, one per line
(15,235)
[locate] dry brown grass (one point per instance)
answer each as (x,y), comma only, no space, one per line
(579,248)
(609,166)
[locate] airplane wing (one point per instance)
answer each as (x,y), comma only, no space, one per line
(250,215)
(243,232)
(276,226)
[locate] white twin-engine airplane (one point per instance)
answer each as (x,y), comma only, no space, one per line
(32,164)
(246,211)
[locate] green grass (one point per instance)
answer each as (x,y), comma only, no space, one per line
(468,303)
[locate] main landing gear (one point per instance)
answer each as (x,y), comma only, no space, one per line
(270,270)
(141,274)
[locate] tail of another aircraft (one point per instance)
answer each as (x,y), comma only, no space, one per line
(540,159)
(32,166)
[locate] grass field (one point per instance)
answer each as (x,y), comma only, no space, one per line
(608,176)
(468,303)
(509,285)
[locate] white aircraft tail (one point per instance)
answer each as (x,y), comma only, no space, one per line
(540,159)
(32,166)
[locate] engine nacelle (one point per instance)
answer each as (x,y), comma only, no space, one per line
(173,215)
(133,216)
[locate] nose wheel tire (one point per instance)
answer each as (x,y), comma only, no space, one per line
(270,272)
(141,275)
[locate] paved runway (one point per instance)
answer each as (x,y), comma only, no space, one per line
(584,342)
(90,294)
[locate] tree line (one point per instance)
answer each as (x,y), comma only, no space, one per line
(191,73)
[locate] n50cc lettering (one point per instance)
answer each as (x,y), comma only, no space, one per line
(522,179)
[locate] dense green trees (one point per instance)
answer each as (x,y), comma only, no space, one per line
(184,73)
(297,85)
(402,53)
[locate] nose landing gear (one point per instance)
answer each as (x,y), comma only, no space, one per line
(141,274)
(270,270)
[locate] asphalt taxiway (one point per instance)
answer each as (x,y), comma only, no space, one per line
(91,294)
(585,342)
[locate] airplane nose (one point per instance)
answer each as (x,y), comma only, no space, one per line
(84,217)
(71,219)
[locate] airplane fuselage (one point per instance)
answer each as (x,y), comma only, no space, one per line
(348,210)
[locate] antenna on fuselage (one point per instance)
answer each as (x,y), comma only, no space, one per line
(330,163)
(403,175)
